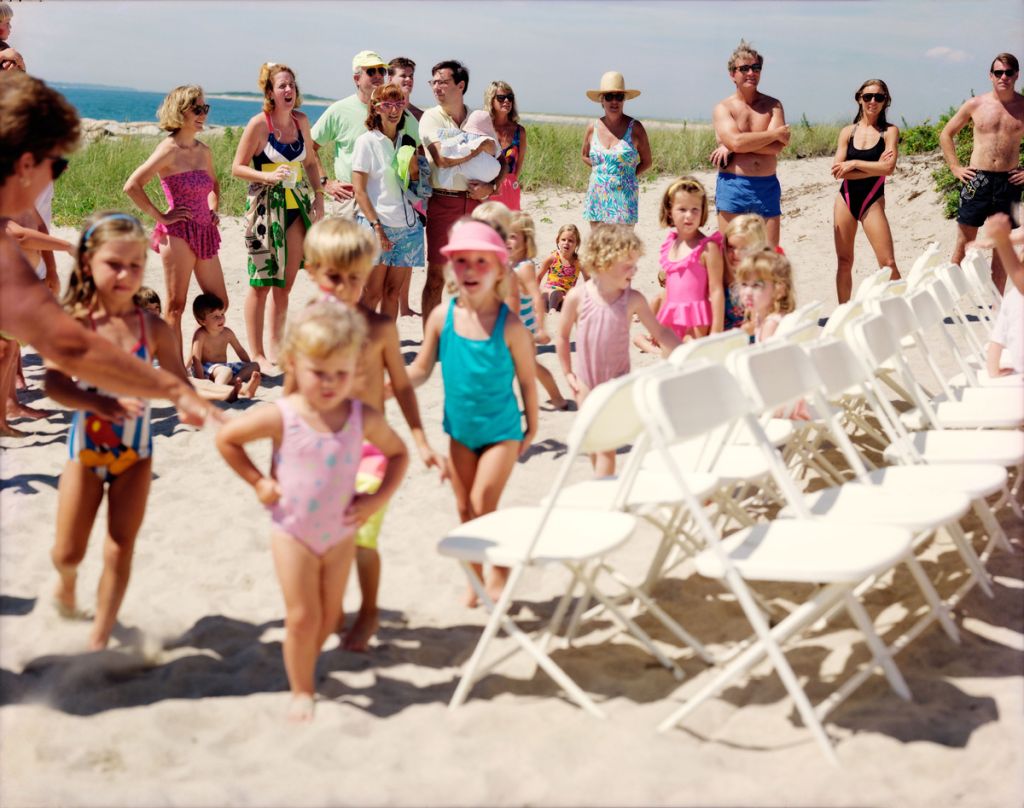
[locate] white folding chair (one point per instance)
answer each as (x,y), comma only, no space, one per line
(872,284)
(984,293)
(837,558)
(840,317)
(551,534)
(990,408)
(924,265)
(953,277)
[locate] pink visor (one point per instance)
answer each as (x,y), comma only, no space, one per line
(469,236)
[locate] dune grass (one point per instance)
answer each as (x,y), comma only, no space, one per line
(98,171)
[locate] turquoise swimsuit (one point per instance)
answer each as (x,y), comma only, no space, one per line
(480,406)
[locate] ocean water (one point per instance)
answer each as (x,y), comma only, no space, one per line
(118,104)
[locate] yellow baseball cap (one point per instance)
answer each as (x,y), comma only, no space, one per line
(367,59)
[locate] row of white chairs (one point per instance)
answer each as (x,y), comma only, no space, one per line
(702,463)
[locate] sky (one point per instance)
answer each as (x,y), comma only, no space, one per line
(932,53)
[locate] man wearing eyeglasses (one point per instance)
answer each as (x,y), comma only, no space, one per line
(343,122)
(449,81)
(751,130)
(993,180)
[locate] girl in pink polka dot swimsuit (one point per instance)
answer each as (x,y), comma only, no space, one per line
(318,433)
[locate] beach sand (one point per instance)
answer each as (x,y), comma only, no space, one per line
(187,707)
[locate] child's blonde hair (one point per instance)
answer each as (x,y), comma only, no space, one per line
(97,230)
(503,286)
(171,114)
(521,222)
(751,228)
(266,84)
(768,265)
(609,244)
(576,233)
(496,214)
(688,185)
(6,13)
(323,328)
(339,244)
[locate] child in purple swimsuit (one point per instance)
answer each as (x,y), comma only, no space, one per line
(602,309)
(318,433)
(186,236)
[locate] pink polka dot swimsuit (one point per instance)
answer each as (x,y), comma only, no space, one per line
(190,190)
(317,475)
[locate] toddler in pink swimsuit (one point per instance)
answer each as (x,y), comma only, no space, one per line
(602,309)
(318,432)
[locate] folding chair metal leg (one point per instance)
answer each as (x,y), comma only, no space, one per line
(991,525)
(933,600)
(879,652)
(970,558)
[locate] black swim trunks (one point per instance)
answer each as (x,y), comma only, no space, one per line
(987,193)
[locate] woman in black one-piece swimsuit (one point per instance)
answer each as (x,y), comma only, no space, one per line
(865,156)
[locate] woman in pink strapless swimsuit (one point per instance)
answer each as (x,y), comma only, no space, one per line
(186,236)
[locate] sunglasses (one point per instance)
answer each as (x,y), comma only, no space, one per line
(390,106)
(502,97)
(375,71)
(614,96)
(744,69)
(57,166)
(201,109)
(1008,73)
(881,98)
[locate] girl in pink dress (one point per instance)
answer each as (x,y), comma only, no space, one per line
(602,309)
(694,293)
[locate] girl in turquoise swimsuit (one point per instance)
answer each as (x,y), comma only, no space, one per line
(110,441)
(482,350)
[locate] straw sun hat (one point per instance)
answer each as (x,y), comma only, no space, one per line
(612,82)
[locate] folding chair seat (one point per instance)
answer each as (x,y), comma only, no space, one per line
(577,539)
(837,558)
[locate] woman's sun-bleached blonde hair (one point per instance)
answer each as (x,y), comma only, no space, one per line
(322,329)
(502,87)
(339,243)
(266,84)
(98,229)
(768,265)
(689,185)
(521,222)
(171,114)
(609,244)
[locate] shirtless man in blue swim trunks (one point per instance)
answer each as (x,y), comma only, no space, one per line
(993,180)
(751,130)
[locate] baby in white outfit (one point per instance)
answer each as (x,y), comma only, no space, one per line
(482,168)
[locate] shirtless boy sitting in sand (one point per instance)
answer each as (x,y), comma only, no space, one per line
(210,349)
(994,179)
(339,255)
(751,130)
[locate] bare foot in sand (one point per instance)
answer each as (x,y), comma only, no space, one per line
(98,642)
(408,312)
(362,631)
(300,710)
(19,410)
(249,388)
(266,365)
(559,404)
(64,600)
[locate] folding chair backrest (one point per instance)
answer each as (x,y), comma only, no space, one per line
(925,307)
(868,287)
(876,339)
(775,374)
(954,278)
(841,317)
(806,332)
(695,400)
(929,315)
(892,288)
(923,266)
(979,275)
(608,419)
(837,366)
(714,347)
(897,314)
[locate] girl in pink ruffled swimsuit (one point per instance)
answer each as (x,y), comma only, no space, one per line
(694,294)
(186,235)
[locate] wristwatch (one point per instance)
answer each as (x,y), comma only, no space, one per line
(375,224)
(323,181)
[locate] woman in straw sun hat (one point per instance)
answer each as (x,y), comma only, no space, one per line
(618,151)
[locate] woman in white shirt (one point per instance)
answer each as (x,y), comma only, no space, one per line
(383,165)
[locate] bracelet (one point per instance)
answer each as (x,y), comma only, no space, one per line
(318,192)
(375,224)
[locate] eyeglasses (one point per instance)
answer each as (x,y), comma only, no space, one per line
(439,82)
(57,166)
(502,97)
(390,106)
(869,97)
(375,71)
(1008,73)
(744,69)
(614,96)
(200,109)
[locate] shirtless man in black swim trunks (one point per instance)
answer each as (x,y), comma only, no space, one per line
(994,179)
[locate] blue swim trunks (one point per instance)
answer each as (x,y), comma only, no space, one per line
(736,194)
(235,367)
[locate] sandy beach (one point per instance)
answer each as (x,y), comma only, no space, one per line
(187,706)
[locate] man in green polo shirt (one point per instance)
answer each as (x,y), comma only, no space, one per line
(344,121)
